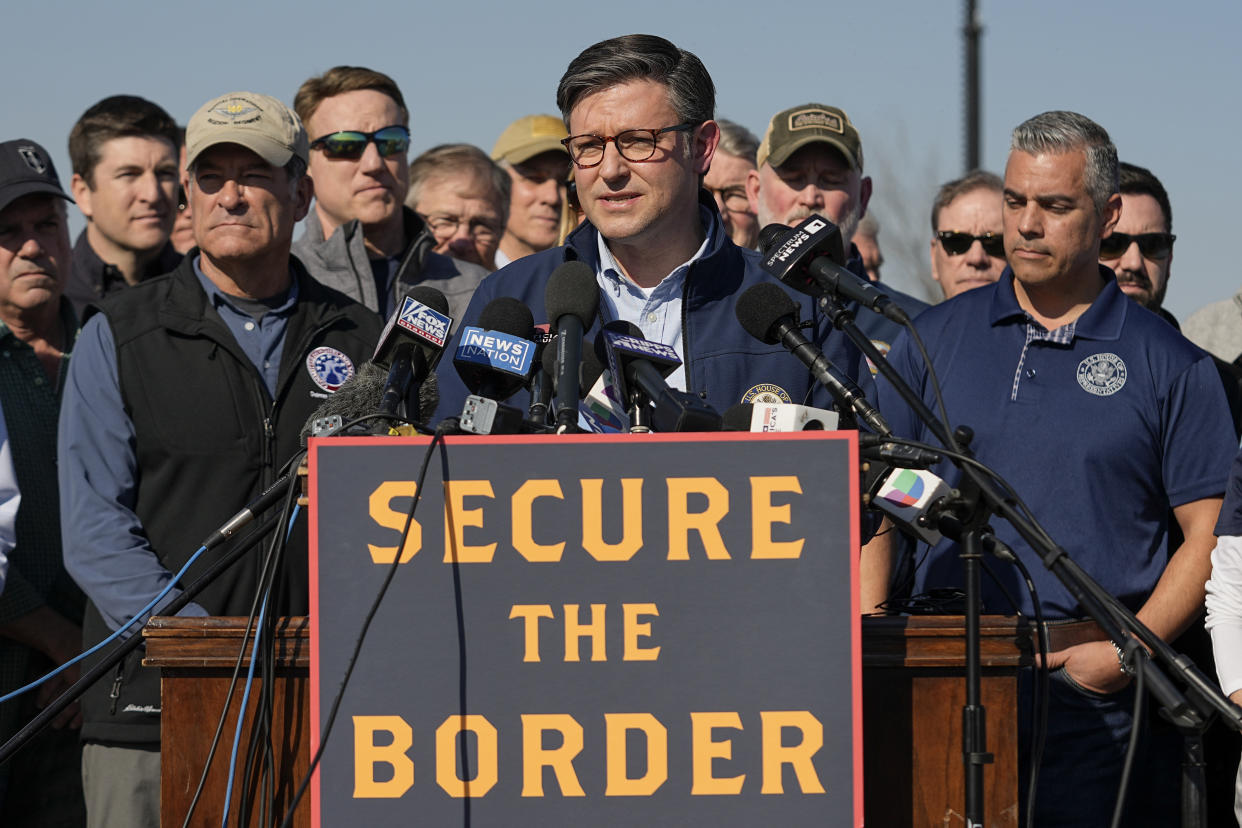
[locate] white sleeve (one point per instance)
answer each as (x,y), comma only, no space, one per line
(1224,611)
(10,499)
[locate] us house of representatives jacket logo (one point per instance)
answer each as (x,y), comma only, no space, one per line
(1102,374)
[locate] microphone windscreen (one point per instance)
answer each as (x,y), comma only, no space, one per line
(620,326)
(357,397)
(429,296)
(761,307)
(589,371)
(509,316)
(738,417)
(770,236)
(572,291)
(428,398)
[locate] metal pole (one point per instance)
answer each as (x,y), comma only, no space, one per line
(971,31)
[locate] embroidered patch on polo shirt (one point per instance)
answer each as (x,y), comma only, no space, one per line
(1102,374)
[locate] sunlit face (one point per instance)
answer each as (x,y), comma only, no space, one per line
(1143,280)
(536,200)
(649,203)
(464,217)
(727,182)
(371,188)
(977,213)
(34,253)
(243,207)
(1052,227)
(131,201)
(815,179)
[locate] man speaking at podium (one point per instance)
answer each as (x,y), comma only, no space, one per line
(188,398)
(1103,417)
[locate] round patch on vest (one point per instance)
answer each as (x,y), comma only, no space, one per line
(1102,374)
(329,368)
(766,392)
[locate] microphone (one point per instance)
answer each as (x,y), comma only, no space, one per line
(768,314)
(782,417)
(810,260)
(910,497)
(541,380)
(411,344)
(360,396)
(638,368)
(494,360)
(571,299)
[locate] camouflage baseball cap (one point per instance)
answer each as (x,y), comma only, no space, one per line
(260,123)
(792,129)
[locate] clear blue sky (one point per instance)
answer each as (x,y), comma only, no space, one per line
(1162,78)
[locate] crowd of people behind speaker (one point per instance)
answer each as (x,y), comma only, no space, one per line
(174,303)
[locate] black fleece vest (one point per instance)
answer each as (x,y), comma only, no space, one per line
(209,439)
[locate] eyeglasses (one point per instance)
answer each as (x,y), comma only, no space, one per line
(733,198)
(1154,246)
(444,226)
(956,243)
(351,143)
(634,145)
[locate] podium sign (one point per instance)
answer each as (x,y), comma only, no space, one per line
(589,630)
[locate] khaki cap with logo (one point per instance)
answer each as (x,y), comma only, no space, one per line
(792,129)
(260,123)
(529,136)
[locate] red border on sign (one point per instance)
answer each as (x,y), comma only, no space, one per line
(851,437)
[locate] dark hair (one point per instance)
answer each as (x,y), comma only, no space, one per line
(1061,131)
(119,116)
(341,79)
(608,63)
(1136,180)
(950,190)
(447,160)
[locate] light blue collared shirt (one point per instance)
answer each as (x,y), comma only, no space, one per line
(656,311)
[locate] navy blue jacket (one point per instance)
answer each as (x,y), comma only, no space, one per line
(723,363)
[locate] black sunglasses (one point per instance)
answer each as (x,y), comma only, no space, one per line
(352,143)
(955,243)
(1154,246)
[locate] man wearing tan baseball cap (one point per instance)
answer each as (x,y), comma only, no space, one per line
(530,150)
(185,398)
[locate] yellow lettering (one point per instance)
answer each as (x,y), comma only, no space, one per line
(530,615)
(763,514)
(635,630)
(368,754)
(447,756)
(380,504)
(535,757)
(523,530)
(799,755)
(575,632)
(457,517)
(681,521)
(631,520)
(619,784)
(704,751)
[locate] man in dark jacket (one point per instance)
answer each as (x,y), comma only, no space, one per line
(189,399)
(359,239)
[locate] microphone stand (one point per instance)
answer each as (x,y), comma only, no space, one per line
(1190,712)
(126,646)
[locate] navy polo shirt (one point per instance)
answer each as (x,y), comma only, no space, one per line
(1100,426)
(1230,522)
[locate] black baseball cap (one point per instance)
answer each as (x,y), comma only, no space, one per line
(26,168)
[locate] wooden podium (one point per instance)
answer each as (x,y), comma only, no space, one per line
(197,657)
(913,692)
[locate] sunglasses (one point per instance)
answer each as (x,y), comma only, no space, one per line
(352,143)
(955,243)
(1154,246)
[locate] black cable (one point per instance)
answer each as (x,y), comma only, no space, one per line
(282,520)
(437,440)
(1131,747)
